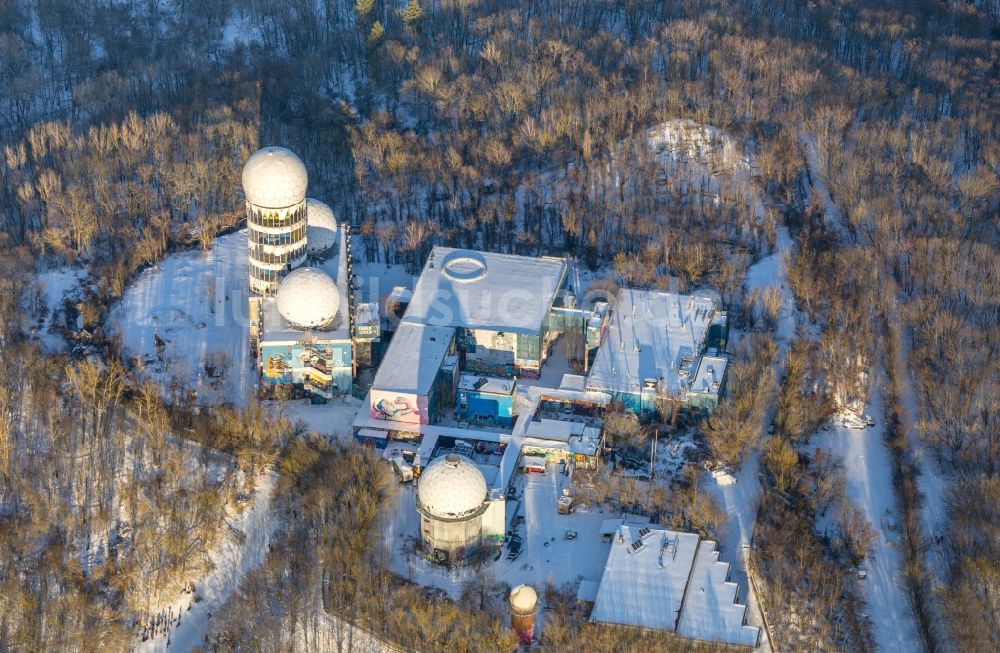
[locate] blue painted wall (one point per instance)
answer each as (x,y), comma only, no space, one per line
(484,407)
(287,364)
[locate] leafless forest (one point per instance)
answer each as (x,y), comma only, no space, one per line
(873,128)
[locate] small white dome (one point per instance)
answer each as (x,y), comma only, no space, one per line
(321,227)
(274,178)
(451,487)
(308,299)
(523,598)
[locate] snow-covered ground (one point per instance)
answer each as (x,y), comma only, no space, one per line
(817,176)
(545,557)
(232,558)
(332,419)
(868,468)
(196,302)
(337,635)
(739,499)
(56,286)
(705,159)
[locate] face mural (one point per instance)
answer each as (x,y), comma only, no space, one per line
(398,407)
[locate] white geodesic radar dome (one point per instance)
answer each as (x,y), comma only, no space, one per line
(451,487)
(274,178)
(308,299)
(321,227)
(524,599)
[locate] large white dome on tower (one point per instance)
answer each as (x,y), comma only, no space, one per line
(274,178)
(308,299)
(451,487)
(321,227)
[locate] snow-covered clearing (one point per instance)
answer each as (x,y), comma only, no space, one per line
(706,160)
(336,635)
(56,286)
(196,303)
(238,552)
(868,467)
(332,419)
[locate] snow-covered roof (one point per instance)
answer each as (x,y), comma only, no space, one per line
(710,610)
(308,299)
(276,329)
(451,487)
(573,382)
(587,590)
(484,290)
(587,443)
(474,382)
(321,227)
(645,576)
(401,294)
(664,580)
(708,378)
(274,178)
(413,359)
(553,429)
(610,526)
(652,337)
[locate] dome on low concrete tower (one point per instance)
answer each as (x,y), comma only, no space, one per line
(274,178)
(308,299)
(523,598)
(451,488)
(321,227)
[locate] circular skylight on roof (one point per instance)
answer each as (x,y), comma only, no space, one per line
(464,266)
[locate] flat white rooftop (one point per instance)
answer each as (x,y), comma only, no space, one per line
(484,290)
(645,577)
(413,359)
(708,378)
(664,580)
(652,336)
(487,384)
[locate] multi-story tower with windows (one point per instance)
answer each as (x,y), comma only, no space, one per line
(274,182)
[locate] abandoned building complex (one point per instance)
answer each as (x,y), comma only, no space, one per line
(464,403)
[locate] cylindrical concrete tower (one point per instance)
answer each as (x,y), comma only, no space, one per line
(451,500)
(274,182)
(523,602)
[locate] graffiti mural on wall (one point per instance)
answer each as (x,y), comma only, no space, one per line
(397,408)
(276,369)
(490,353)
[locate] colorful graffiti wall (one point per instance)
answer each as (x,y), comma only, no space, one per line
(400,407)
(322,367)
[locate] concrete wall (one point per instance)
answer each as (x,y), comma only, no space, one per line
(457,538)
